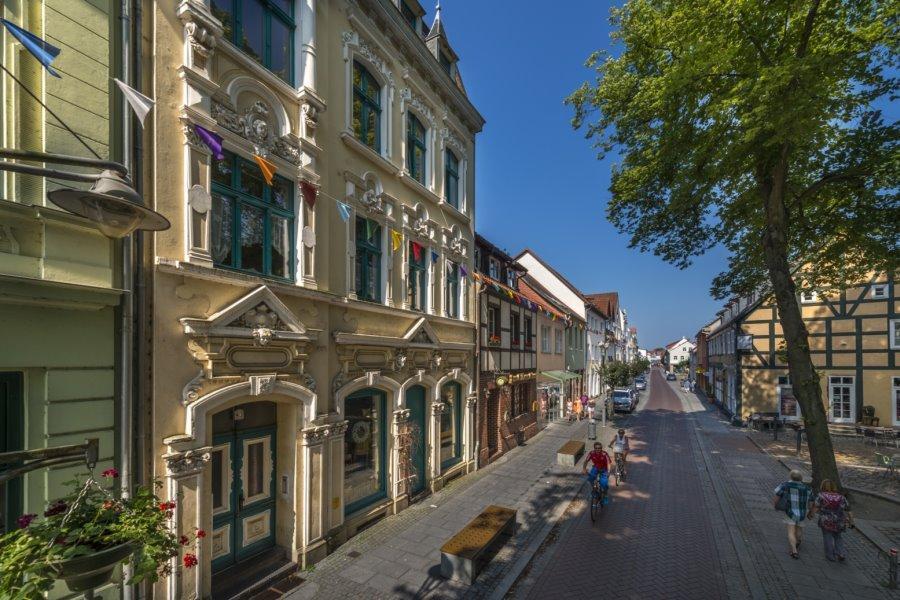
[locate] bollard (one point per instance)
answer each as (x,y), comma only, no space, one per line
(800,431)
(892,569)
(592,429)
(775,430)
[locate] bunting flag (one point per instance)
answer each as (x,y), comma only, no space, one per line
(213,141)
(41,50)
(309,192)
(267,168)
(417,250)
(434,256)
(463,271)
(496,287)
(396,240)
(140,104)
(343,210)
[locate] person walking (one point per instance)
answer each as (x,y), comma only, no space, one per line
(590,410)
(569,413)
(834,516)
(792,497)
(578,409)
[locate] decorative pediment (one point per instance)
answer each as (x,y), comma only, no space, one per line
(259,316)
(421,333)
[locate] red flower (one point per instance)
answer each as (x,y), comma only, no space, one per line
(56,508)
(25,520)
(189,560)
(110,473)
(201,533)
(109,504)
(183,540)
(165,506)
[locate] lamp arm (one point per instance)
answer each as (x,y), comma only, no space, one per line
(52,173)
(63,159)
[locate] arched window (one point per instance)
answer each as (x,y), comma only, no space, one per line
(415,148)
(366,108)
(451,424)
(365,449)
(451,179)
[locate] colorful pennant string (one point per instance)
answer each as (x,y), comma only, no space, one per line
(343,210)
(213,141)
(396,240)
(267,168)
(434,256)
(309,193)
(463,271)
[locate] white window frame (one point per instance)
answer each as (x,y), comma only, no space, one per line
(893,332)
(831,384)
(881,289)
(895,400)
(813,297)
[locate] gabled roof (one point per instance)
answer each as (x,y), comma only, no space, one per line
(536,293)
(556,273)
(606,302)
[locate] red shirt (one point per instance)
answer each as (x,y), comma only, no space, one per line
(599,459)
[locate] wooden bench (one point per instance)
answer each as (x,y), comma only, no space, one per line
(569,453)
(466,553)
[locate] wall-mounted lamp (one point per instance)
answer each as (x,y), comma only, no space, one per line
(112,203)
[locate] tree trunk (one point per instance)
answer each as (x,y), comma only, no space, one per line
(804,378)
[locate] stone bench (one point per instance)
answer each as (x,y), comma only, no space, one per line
(467,552)
(569,453)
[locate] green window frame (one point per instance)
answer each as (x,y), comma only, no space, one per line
(12,438)
(366,107)
(451,425)
(451,179)
(416,152)
(368,260)
(244,206)
(452,290)
(270,21)
(417,285)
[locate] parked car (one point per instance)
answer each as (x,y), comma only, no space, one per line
(671,377)
(640,383)
(624,400)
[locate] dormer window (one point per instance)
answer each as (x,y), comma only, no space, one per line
(408,14)
(446,63)
(494,268)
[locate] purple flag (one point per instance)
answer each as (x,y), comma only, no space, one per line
(212,140)
(462,271)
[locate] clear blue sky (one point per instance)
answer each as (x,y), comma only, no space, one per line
(538,183)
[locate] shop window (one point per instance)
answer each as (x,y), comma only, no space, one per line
(416,152)
(366,108)
(451,290)
(418,277)
(365,443)
(262,29)
(252,223)
(368,260)
(514,328)
(451,179)
(451,424)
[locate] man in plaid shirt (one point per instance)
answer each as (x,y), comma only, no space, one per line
(794,494)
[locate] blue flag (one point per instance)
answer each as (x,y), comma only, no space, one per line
(44,52)
(344,209)
(434,256)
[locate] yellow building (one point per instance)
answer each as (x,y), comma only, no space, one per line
(312,338)
(854,336)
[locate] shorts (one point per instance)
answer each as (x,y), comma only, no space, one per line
(789,520)
(604,477)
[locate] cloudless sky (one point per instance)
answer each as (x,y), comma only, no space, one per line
(538,182)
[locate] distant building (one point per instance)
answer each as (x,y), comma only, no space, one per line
(678,352)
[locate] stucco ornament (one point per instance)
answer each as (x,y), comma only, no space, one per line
(400,359)
(436,360)
(189,461)
(262,384)
(372,201)
(309,381)
(191,391)
(253,125)
(310,118)
(202,42)
(438,408)
(261,335)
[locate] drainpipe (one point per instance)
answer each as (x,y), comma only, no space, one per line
(477,368)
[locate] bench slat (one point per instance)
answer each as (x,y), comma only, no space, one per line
(480,532)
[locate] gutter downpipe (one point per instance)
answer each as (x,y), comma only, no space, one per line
(477,367)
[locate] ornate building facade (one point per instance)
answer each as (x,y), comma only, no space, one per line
(313,322)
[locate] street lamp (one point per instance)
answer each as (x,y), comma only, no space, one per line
(112,203)
(603,345)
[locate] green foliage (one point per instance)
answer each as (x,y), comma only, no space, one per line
(639,366)
(715,106)
(682,365)
(87,520)
(617,374)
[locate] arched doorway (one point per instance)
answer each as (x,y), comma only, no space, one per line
(415,402)
(243,482)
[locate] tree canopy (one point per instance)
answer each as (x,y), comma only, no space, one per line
(705,101)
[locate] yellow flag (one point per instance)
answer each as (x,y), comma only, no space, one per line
(267,168)
(396,240)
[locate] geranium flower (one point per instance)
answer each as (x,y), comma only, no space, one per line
(183,540)
(109,504)
(167,505)
(201,533)
(25,520)
(110,473)
(190,560)
(56,508)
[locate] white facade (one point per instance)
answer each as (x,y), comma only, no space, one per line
(679,351)
(595,350)
(553,283)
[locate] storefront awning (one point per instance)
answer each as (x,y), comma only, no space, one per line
(561,376)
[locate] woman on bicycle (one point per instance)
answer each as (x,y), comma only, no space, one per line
(621,448)
(600,462)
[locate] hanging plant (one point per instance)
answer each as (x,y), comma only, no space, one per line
(81,537)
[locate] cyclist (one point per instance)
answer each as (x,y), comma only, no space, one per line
(600,462)
(621,448)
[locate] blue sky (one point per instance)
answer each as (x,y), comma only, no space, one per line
(538,183)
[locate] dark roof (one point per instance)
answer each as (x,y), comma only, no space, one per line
(606,302)
(565,281)
(480,240)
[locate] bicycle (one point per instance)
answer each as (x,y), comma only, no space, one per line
(597,497)
(620,472)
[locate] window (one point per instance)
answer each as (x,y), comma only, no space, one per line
(252,223)
(451,424)
(808,296)
(494,268)
(446,63)
(415,148)
(263,29)
(519,399)
(366,108)
(528,332)
(514,328)
(879,290)
(364,449)
(451,301)
(408,14)
(418,278)
(545,339)
(451,179)
(559,341)
(895,334)
(368,260)
(494,325)
(510,277)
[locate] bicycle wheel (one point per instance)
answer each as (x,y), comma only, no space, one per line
(595,505)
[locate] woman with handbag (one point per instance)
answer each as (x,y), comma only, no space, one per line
(792,498)
(834,516)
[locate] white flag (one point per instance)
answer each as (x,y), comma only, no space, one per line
(140,103)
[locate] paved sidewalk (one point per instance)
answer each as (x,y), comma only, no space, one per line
(748,477)
(399,557)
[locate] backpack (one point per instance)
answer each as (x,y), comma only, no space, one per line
(832,517)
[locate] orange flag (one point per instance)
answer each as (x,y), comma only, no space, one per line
(267,168)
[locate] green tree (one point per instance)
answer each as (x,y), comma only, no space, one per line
(616,374)
(755,126)
(639,366)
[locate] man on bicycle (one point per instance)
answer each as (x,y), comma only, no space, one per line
(620,447)
(600,462)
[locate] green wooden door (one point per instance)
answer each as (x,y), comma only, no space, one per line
(12,434)
(415,402)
